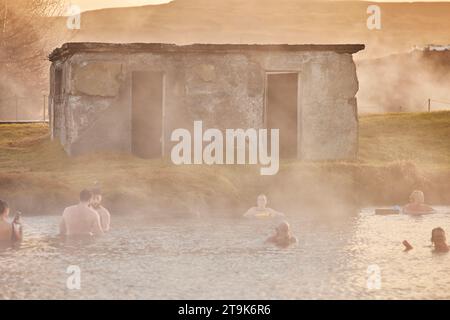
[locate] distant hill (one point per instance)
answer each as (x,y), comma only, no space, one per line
(266,21)
(391,78)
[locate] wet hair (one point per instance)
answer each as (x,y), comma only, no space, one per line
(437,234)
(283,227)
(85,195)
(417,195)
(96,191)
(262,196)
(3,206)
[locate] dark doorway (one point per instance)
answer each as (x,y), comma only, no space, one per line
(281,110)
(147,111)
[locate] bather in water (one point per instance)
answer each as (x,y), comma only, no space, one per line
(439,240)
(9,231)
(416,205)
(96,204)
(81,220)
(261,211)
(283,236)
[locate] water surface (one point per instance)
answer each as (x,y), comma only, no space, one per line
(143,258)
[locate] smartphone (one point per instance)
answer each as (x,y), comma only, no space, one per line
(18,217)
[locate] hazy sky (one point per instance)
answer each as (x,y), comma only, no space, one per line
(97,4)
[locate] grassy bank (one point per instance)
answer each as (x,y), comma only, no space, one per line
(398,153)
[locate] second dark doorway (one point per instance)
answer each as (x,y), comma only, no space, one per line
(281,108)
(147,112)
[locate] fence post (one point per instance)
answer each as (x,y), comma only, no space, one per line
(429,105)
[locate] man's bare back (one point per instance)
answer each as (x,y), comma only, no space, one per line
(80,220)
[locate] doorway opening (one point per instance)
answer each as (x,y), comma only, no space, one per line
(147,138)
(281,110)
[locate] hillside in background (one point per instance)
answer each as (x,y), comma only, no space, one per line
(392,78)
(266,21)
(389,77)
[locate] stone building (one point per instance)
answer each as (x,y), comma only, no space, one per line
(130,97)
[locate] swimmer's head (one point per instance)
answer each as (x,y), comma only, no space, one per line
(283,228)
(261,201)
(85,196)
(417,197)
(438,235)
(4,209)
(96,197)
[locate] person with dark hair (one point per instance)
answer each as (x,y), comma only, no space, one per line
(9,231)
(96,204)
(439,240)
(282,237)
(80,219)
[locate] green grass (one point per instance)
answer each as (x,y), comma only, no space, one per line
(397,153)
(423,138)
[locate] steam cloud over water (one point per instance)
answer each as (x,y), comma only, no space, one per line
(405,82)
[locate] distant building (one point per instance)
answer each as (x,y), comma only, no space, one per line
(433,47)
(438,48)
(130,97)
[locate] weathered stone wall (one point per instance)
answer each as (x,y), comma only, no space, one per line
(225,90)
(329,109)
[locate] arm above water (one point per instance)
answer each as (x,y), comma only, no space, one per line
(271,239)
(105,219)
(62,225)
(428,209)
(96,227)
(250,213)
(18,232)
(275,213)
(418,210)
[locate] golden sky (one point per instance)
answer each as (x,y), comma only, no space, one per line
(97,4)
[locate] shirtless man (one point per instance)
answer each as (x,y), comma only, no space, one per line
(416,205)
(105,217)
(80,219)
(9,231)
(261,211)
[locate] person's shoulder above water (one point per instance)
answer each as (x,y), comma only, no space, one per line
(438,240)
(70,209)
(9,231)
(105,216)
(81,219)
(5,231)
(261,210)
(416,205)
(282,237)
(256,212)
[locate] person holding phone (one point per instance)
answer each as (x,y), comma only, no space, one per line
(96,204)
(9,231)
